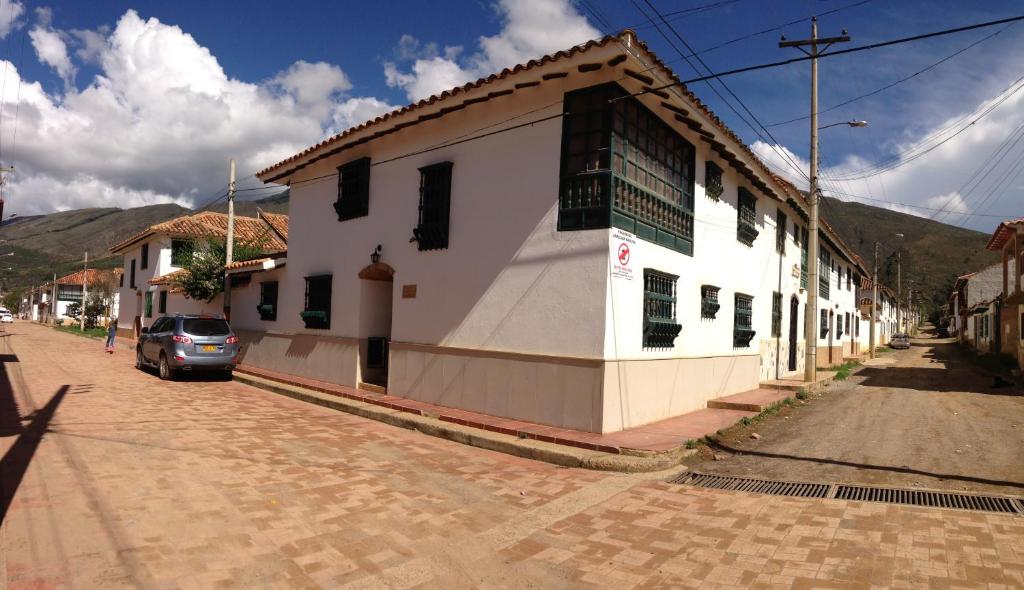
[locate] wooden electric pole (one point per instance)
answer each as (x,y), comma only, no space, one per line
(85,286)
(229,258)
(874,301)
(811,315)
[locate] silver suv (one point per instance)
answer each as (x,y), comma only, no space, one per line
(188,342)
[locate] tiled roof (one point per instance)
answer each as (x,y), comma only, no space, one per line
(169,278)
(277,221)
(209,224)
(1003,233)
(255,262)
(94,275)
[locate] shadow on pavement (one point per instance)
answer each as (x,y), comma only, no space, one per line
(723,447)
(10,415)
(950,370)
(15,462)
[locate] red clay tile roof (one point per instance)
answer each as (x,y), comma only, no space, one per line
(94,275)
(209,224)
(169,278)
(255,262)
(1003,233)
(277,221)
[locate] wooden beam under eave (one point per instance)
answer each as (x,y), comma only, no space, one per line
(638,76)
(554,75)
(655,92)
(617,59)
(522,85)
(675,109)
(583,68)
(498,93)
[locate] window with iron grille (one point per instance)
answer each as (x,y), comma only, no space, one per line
(435,204)
(713,186)
(660,325)
(162,303)
(69,293)
(824,323)
(353,190)
(804,237)
(824,273)
(268,301)
(839,326)
(624,167)
(849,279)
(776,315)
(316,312)
(144,257)
(131,275)
(780,232)
(709,305)
(743,321)
(746,216)
(149,304)
(179,252)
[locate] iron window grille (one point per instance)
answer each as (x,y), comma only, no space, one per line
(180,250)
(824,273)
(268,301)
(824,323)
(149,304)
(780,232)
(709,305)
(776,315)
(144,256)
(746,217)
(353,190)
(839,326)
(743,321)
(713,186)
(849,279)
(624,167)
(69,293)
(316,312)
(162,302)
(660,325)
(435,205)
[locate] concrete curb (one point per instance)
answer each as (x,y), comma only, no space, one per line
(467,435)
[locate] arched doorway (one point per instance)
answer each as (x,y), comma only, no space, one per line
(376,293)
(794,309)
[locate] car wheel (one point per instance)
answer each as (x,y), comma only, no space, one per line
(227,374)
(166,372)
(140,361)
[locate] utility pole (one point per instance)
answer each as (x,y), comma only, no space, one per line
(810,317)
(85,281)
(231,241)
(53,297)
(899,288)
(874,301)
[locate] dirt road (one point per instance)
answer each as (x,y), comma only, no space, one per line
(922,417)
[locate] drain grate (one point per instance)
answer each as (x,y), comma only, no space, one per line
(928,498)
(757,486)
(908,497)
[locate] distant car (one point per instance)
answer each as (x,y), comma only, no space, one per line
(6,318)
(942,333)
(188,343)
(899,341)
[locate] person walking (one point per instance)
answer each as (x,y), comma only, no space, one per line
(111,333)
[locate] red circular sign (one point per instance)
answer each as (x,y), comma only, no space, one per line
(623,254)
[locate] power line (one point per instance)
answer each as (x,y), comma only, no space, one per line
(902,204)
(897,82)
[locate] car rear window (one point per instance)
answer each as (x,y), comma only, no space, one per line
(205,327)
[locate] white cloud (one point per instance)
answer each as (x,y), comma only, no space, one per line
(10,11)
(53,51)
(160,120)
(531,28)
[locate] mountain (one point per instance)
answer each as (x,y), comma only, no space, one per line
(932,254)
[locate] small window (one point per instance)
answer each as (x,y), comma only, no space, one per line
(839,326)
(660,326)
(849,279)
(131,275)
(180,250)
(746,216)
(713,180)
(824,323)
(268,301)
(824,273)
(162,306)
(317,310)
(353,190)
(780,232)
(120,280)
(776,315)
(709,305)
(435,203)
(149,304)
(743,321)
(144,257)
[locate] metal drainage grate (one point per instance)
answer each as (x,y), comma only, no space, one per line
(757,486)
(927,498)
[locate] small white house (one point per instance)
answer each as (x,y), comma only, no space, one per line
(566,242)
(153,258)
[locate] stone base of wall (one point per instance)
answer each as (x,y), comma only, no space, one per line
(324,358)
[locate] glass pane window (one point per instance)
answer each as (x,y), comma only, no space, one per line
(268,301)
(149,304)
(162,306)
(839,326)
(743,321)
(144,257)
(317,309)
(824,323)
(660,325)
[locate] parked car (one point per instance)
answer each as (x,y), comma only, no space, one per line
(899,341)
(188,343)
(6,318)
(942,332)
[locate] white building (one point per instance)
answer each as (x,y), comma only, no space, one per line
(68,291)
(620,265)
(153,258)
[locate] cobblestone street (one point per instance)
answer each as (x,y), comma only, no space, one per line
(112,478)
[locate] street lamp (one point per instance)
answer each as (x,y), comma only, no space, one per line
(850,123)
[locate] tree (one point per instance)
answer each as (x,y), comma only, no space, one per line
(204,263)
(12,300)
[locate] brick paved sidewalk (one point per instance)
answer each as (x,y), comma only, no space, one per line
(143,484)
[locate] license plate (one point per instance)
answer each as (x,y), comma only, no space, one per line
(209,348)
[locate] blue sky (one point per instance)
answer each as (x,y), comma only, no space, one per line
(329,65)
